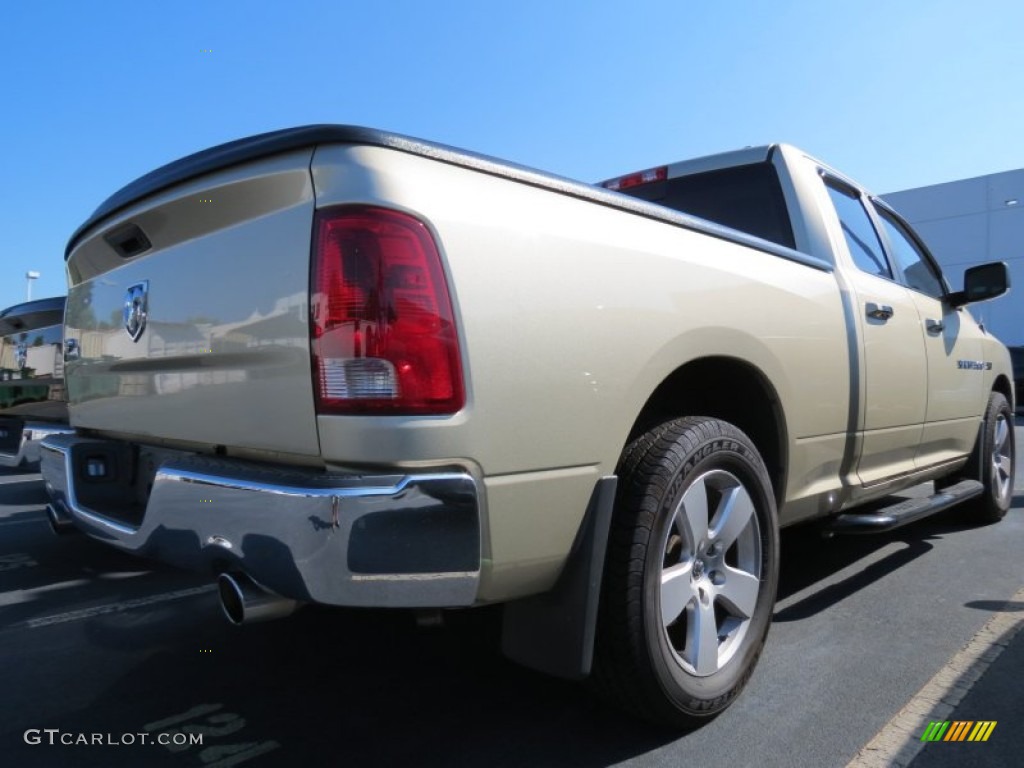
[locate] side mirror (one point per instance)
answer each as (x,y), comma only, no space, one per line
(983,282)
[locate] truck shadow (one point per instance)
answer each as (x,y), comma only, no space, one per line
(340,687)
(810,562)
(352,687)
(818,563)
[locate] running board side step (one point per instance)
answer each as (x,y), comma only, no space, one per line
(909,511)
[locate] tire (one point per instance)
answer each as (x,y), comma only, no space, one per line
(992,462)
(690,575)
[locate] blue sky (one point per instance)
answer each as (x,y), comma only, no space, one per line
(897,95)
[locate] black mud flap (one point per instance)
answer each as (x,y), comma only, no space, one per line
(554,632)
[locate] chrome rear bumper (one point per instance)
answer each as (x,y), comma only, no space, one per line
(32,435)
(403,540)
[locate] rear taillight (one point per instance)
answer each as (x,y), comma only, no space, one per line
(383,330)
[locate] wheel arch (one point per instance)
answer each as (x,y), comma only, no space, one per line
(729,389)
(1004,386)
(725,388)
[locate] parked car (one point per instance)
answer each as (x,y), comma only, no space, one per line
(32,397)
(355,368)
(1017,358)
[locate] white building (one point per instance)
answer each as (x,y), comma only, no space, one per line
(969,222)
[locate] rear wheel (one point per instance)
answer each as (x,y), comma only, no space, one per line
(691,573)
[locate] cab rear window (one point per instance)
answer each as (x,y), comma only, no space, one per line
(744,197)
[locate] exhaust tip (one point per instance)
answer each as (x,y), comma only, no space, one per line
(243,601)
(231,600)
(60,524)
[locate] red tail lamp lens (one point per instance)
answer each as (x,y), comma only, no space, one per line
(383,329)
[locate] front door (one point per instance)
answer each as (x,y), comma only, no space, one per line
(956,396)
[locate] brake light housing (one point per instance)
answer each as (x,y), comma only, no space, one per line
(382,326)
(637,179)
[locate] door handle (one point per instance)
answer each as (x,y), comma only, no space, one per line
(876,312)
(933,327)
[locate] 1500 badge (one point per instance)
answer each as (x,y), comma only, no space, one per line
(973,365)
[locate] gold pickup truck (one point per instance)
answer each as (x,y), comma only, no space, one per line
(336,365)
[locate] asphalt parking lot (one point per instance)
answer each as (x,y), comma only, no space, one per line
(94,642)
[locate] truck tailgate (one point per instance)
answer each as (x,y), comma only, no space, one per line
(188,311)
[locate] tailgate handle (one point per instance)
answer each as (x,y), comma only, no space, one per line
(128,241)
